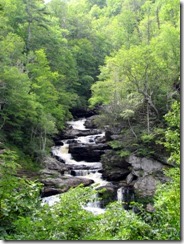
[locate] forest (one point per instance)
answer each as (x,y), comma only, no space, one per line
(120,58)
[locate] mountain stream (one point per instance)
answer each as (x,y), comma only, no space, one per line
(93,170)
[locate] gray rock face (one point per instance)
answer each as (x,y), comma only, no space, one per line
(54,186)
(144,166)
(54,180)
(147,172)
(115,168)
(141,173)
(51,164)
(129,178)
(90,122)
(146,186)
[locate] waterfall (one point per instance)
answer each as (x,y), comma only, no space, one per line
(51,200)
(62,152)
(125,195)
(120,194)
(78,124)
(92,171)
(94,205)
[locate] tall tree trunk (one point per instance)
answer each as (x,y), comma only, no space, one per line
(148,118)
(133,132)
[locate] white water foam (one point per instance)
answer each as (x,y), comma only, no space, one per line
(92,173)
(78,124)
(62,152)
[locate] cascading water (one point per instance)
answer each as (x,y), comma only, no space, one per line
(120,194)
(125,195)
(93,167)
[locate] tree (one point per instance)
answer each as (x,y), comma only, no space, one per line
(18,197)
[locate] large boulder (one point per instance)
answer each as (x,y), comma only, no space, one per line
(145,186)
(52,164)
(88,152)
(141,173)
(115,167)
(148,173)
(144,166)
(54,178)
(62,184)
(90,122)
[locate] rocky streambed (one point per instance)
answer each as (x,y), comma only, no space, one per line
(82,155)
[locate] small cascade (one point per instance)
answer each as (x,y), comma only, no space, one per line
(51,200)
(125,195)
(94,205)
(82,172)
(120,195)
(81,169)
(84,169)
(78,124)
(62,152)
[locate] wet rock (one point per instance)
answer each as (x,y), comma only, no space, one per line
(130,178)
(90,122)
(57,140)
(59,185)
(51,163)
(73,133)
(59,159)
(108,135)
(96,166)
(116,174)
(100,139)
(49,191)
(72,141)
(115,168)
(87,152)
(53,178)
(46,173)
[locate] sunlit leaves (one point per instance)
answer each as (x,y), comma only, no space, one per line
(172,134)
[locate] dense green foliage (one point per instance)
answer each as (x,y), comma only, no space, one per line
(52,53)
(23,217)
(140,80)
(121,55)
(49,59)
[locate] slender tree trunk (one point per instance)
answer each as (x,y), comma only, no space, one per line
(131,128)
(148,119)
